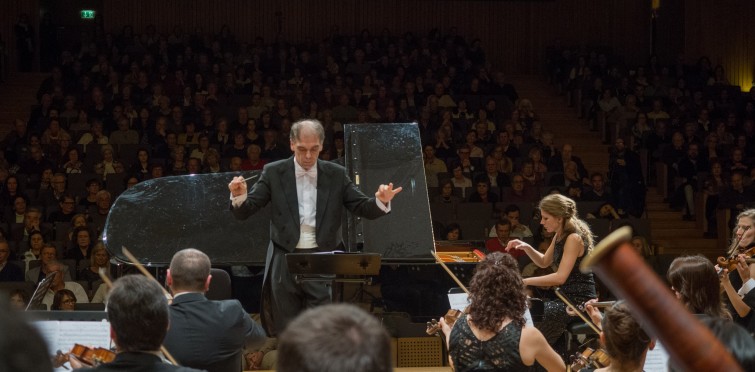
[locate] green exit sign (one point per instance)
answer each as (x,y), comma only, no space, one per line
(87,14)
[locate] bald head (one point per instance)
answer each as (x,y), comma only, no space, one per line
(189,271)
(307,126)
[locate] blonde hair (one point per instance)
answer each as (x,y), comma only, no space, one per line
(749,213)
(558,205)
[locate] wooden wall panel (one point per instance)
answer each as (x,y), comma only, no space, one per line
(514,33)
(723,31)
(9,12)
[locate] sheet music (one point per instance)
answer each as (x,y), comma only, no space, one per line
(657,359)
(62,335)
(459,301)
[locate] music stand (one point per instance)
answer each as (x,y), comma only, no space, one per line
(39,293)
(336,267)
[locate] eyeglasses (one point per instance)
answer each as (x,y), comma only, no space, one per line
(69,301)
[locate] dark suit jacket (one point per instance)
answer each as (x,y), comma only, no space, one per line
(137,362)
(11,273)
(209,334)
(277,184)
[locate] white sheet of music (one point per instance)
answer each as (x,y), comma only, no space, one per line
(657,359)
(459,301)
(62,335)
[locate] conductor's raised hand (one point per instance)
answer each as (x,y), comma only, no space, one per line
(516,244)
(237,186)
(385,193)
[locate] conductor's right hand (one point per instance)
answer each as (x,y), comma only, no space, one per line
(237,186)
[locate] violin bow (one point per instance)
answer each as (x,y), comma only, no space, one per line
(453,276)
(146,273)
(587,320)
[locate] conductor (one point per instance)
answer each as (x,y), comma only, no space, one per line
(308,198)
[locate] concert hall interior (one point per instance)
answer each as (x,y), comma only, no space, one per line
(345,185)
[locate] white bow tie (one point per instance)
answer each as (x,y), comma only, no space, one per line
(311,173)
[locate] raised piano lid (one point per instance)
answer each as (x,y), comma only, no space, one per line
(382,153)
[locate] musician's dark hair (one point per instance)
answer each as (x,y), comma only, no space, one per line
(310,124)
(189,269)
(696,281)
(735,338)
(335,337)
(138,313)
(496,291)
(625,339)
(24,349)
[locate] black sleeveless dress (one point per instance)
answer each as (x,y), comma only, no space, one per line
(578,288)
(500,353)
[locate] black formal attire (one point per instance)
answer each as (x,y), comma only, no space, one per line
(209,334)
(11,273)
(499,353)
(282,298)
(137,362)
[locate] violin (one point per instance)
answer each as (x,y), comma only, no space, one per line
(91,357)
(433,326)
(731,262)
(589,358)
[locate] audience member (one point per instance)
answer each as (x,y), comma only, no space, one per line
(59,283)
(64,300)
(47,256)
(8,271)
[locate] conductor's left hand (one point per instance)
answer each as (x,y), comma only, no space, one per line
(386,192)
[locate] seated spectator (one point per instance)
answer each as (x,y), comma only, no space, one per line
(34,246)
(19,299)
(495,177)
(58,283)
(32,222)
(453,232)
(574,191)
(93,186)
(568,178)
(482,192)
(642,247)
(446,194)
(211,162)
(124,135)
(337,337)
(253,160)
(98,214)
(48,256)
(532,179)
(736,197)
(10,191)
(558,162)
(605,211)
(498,242)
(433,166)
(597,191)
(8,271)
(66,209)
(49,199)
(64,300)
(79,247)
(98,260)
(713,185)
(519,192)
(466,162)
(503,163)
(95,136)
(141,167)
(108,165)
(194,166)
(16,213)
(200,151)
(459,179)
(688,169)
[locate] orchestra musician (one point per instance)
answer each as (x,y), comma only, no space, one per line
(572,241)
(492,335)
(626,343)
(742,300)
(694,281)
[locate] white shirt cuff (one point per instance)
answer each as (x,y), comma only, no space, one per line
(383,207)
(236,201)
(747,287)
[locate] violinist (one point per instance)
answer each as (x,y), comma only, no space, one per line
(138,314)
(625,341)
(694,281)
(492,335)
(742,300)
(572,241)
